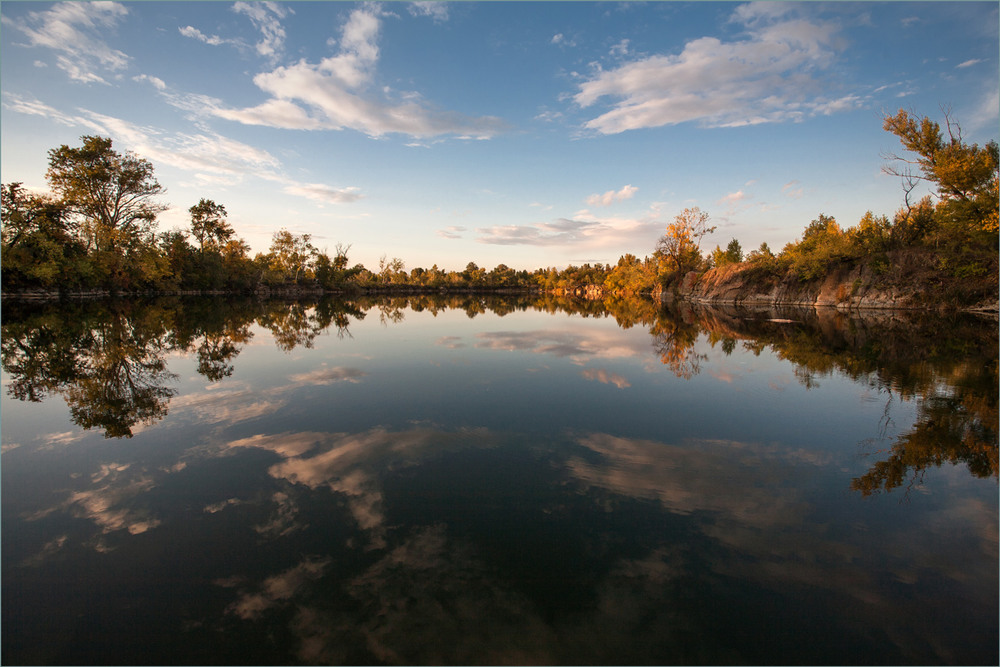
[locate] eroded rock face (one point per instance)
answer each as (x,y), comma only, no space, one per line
(910,283)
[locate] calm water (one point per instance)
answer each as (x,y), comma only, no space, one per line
(483,481)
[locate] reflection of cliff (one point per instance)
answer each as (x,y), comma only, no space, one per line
(948,365)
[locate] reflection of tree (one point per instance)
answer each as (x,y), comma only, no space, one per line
(109,366)
(42,353)
(124,375)
(334,312)
(217,350)
(958,426)
(216,330)
(290,324)
(673,341)
(107,360)
(948,364)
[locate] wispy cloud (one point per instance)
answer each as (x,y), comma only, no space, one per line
(559,232)
(74,30)
(562,40)
(610,197)
(208,156)
(773,75)
(435,10)
(324,193)
(339,92)
(266,17)
(735,201)
(211,40)
(452,232)
(583,230)
(793,190)
(155,81)
(968,63)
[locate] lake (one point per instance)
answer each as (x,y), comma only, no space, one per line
(480,480)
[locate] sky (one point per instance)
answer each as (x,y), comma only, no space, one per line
(532,134)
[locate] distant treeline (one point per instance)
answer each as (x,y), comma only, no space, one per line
(97,230)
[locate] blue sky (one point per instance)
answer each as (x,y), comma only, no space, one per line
(532,134)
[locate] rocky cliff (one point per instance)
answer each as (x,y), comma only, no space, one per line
(909,279)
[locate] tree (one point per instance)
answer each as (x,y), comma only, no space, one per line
(681,245)
(290,254)
(966,176)
(111,193)
(823,243)
(733,254)
(110,196)
(39,247)
(209,226)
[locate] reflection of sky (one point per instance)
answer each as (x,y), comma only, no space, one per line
(355,474)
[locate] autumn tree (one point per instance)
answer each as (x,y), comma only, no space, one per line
(681,245)
(823,243)
(965,176)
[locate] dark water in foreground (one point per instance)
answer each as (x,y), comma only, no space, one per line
(487,481)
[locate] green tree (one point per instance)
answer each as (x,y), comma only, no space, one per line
(112,195)
(209,226)
(733,254)
(290,254)
(39,247)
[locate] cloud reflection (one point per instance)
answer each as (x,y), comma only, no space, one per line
(605,377)
(351,464)
(577,346)
(279,589)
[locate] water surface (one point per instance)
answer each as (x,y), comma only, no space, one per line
(474,480)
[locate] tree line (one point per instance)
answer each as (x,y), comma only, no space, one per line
(97,229)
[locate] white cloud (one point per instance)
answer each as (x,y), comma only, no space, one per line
(211,40)
(266,18)
(771,76)
(74,30)
(155,81)
(435,10)
(339,92)
(969,63)
(610,197)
